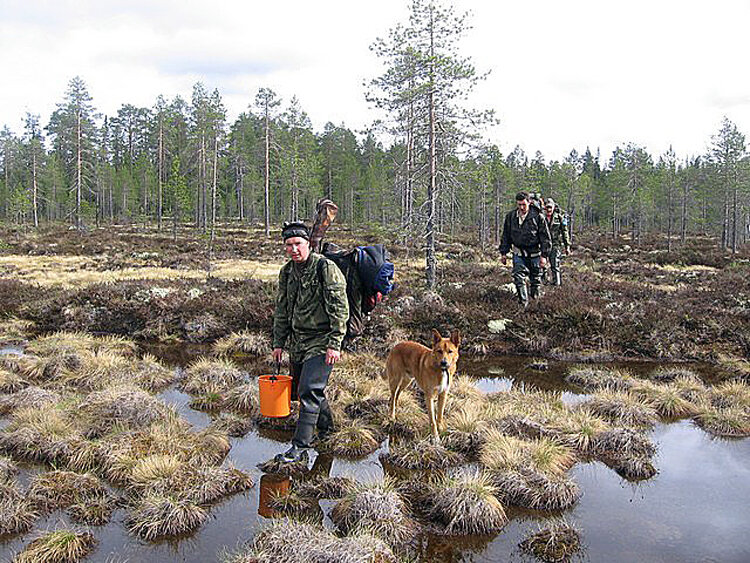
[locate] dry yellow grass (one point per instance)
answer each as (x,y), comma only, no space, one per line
(80,271)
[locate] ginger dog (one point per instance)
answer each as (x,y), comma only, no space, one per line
(432,369)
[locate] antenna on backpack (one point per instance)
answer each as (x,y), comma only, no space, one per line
(325,213)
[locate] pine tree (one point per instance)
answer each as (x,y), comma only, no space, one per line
(425,87)
(74,131)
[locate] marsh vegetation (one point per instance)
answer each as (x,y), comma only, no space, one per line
(131,407)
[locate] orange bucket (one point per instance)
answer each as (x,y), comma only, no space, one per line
(275,395)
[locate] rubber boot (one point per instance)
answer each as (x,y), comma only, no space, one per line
(558,278)
(303,434)
(523,298)
(293,455)
(325,421)
(534,291)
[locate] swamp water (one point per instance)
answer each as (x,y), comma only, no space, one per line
(697,508)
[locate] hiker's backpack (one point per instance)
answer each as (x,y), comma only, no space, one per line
(369,276)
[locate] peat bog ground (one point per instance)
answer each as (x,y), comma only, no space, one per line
(606,422)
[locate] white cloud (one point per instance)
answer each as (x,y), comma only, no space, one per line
(564,74)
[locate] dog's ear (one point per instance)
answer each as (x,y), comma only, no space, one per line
(456,338)
(436,336)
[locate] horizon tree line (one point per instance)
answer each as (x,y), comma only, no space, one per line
(183,161)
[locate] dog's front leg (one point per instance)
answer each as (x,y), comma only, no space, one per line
(430,401)
(441,409)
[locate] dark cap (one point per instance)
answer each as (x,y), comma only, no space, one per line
(295,229)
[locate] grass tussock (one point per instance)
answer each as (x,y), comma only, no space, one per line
(59,546)
(40,435)
(666,400)
(623,441)
(503,452)
(292,503)
(250,343)
(126,407)
(40,369)
(554,543)
(298,541)
(14,332)
(8,469)
(233,425)
(621,408)
(423,455)
(207,374)
(10,381)
(244,399)
(162,516)
(375,508)
(465,502)
(690,388)
(209,484)
(94,510)
(732,422)
(527,488)
(592,379)
(465,433)
(29,397)
(17,512)
(62,341)
(98,370)
(579,429)
(152,375)
(326,488)
(669,374)
(58,489)
(353,439)
(627,452)
(210,400)
(733,394)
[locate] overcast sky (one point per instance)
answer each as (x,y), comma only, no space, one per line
(564,73)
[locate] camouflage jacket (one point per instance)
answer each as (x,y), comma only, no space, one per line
(558,229)
(311,308)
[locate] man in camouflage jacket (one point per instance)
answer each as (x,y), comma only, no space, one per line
(525,233)
(557,223)
(310,322)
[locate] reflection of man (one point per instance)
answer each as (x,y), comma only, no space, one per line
(557,223)
(310,321)
(525,232)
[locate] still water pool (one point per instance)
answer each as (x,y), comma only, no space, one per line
(696,509)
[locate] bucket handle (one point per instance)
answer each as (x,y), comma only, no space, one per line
(276,375)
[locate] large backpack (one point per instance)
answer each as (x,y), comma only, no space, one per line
(369,276)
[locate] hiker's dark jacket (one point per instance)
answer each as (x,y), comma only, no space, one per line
(311,308)
(558,229)
(531,238)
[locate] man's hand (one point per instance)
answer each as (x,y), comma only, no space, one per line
(332,356)
(542,261)
(277,354)
(504,259)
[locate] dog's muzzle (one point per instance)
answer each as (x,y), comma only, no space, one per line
(443,365)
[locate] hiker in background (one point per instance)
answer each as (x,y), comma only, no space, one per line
(310,322)
(557,223)
(525,232)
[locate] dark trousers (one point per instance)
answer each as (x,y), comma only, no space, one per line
(525,267)
(555,261)
(309,380)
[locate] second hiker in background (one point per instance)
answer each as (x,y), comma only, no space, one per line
(557,223)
